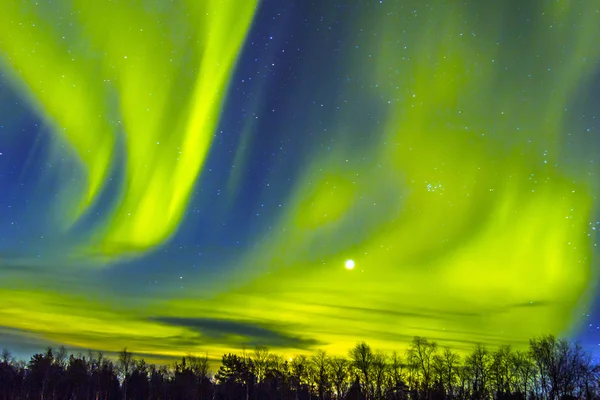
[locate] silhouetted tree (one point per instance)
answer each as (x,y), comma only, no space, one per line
(78,379)
(478,364)
(355,392)
(523,373)
(420,357)
(449,370)
(44,376)
(235,378)
(321,366)
(378,374)
(125,364)
(339,375)
(397,388)
(138,387)
(277,382)
(300,375)
(6,356)
(361,357)
(158,381)
(10,381)
(552,369)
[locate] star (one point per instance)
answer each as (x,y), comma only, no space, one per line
(349,264)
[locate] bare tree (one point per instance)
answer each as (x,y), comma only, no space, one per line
(339,373)
(379,369)
(125,365)
(199,365)
(260,358)
(396,374)
(523,372)
(361,357)
(420,356)
(61,356)
(321,366)
(300,372)
(397,367)
(464,388)
(589,377)
(275,361)
(451,361)
(478,363)
(544,352)
(501,371)
(125,362)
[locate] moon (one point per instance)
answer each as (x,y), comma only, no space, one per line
(349,264)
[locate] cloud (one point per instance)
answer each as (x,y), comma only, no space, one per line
(241,333)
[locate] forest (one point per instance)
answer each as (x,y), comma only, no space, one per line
(550,368)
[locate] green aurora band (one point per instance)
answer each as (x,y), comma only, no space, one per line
(154,72)
(468,230)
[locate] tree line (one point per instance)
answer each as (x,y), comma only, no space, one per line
(551,368)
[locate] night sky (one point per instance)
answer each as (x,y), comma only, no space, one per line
(192,176)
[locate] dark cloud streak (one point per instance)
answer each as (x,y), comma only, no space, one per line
(246,333)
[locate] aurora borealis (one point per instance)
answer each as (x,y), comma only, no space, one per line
(190,176)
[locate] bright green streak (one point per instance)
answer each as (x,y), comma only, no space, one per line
(155,73)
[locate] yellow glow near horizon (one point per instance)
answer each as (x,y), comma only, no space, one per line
(152,72)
